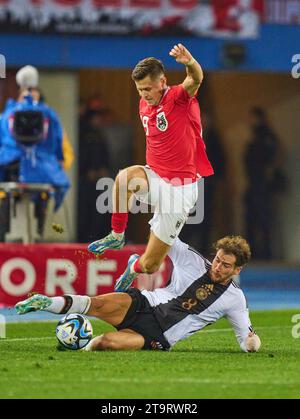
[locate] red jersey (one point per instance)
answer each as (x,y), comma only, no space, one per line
(174,145)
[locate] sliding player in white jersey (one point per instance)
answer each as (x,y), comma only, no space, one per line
(198,294)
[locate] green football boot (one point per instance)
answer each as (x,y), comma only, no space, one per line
(34,303)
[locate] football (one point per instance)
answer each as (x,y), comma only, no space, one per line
(74,331)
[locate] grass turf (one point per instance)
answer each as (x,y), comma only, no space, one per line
(207,365)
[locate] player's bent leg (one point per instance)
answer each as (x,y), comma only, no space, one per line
(125,339)
(58,305)
(112,308)
(128,181)
(154,255)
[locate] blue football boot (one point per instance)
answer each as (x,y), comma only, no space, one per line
(109,242)
(127,278)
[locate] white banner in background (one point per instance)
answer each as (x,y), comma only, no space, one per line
(239,18)
(282,11)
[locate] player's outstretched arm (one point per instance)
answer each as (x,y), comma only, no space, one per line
(239,318)
(193,69)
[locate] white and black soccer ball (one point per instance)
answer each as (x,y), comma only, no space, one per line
(74,331)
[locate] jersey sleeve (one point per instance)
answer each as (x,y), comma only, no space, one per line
(178,251)
(185,258)
(239,319)
(181,96)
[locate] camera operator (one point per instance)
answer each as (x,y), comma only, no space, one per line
(31,142)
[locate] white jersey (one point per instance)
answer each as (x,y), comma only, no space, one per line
(192,301)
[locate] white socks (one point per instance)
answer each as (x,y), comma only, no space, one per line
(70,304)
(57,305)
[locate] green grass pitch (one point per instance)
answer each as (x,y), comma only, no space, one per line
(208,365)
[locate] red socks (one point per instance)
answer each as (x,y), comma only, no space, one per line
(119,222)
(137,267)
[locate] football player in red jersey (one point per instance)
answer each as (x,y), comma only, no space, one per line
(176,159)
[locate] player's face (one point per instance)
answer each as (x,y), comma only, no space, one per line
(223,267)
(151,90)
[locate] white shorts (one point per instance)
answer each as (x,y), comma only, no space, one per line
(172,205)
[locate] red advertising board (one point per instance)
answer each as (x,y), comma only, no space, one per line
(56,269)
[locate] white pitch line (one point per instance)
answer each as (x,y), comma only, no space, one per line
(23,339)
(202,331)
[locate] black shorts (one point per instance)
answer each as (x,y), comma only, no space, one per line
(140,318)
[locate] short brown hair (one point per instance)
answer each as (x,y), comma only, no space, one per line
(148,67)
(237,246)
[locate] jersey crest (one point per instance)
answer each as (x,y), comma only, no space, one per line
(204,291)
(161,121)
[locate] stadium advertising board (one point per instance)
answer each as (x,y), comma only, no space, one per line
(56,269)
(227,18)
(285,12)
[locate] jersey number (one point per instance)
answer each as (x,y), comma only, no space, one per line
(189,304)
(145,121)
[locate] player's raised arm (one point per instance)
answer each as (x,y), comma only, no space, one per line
(193,69)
